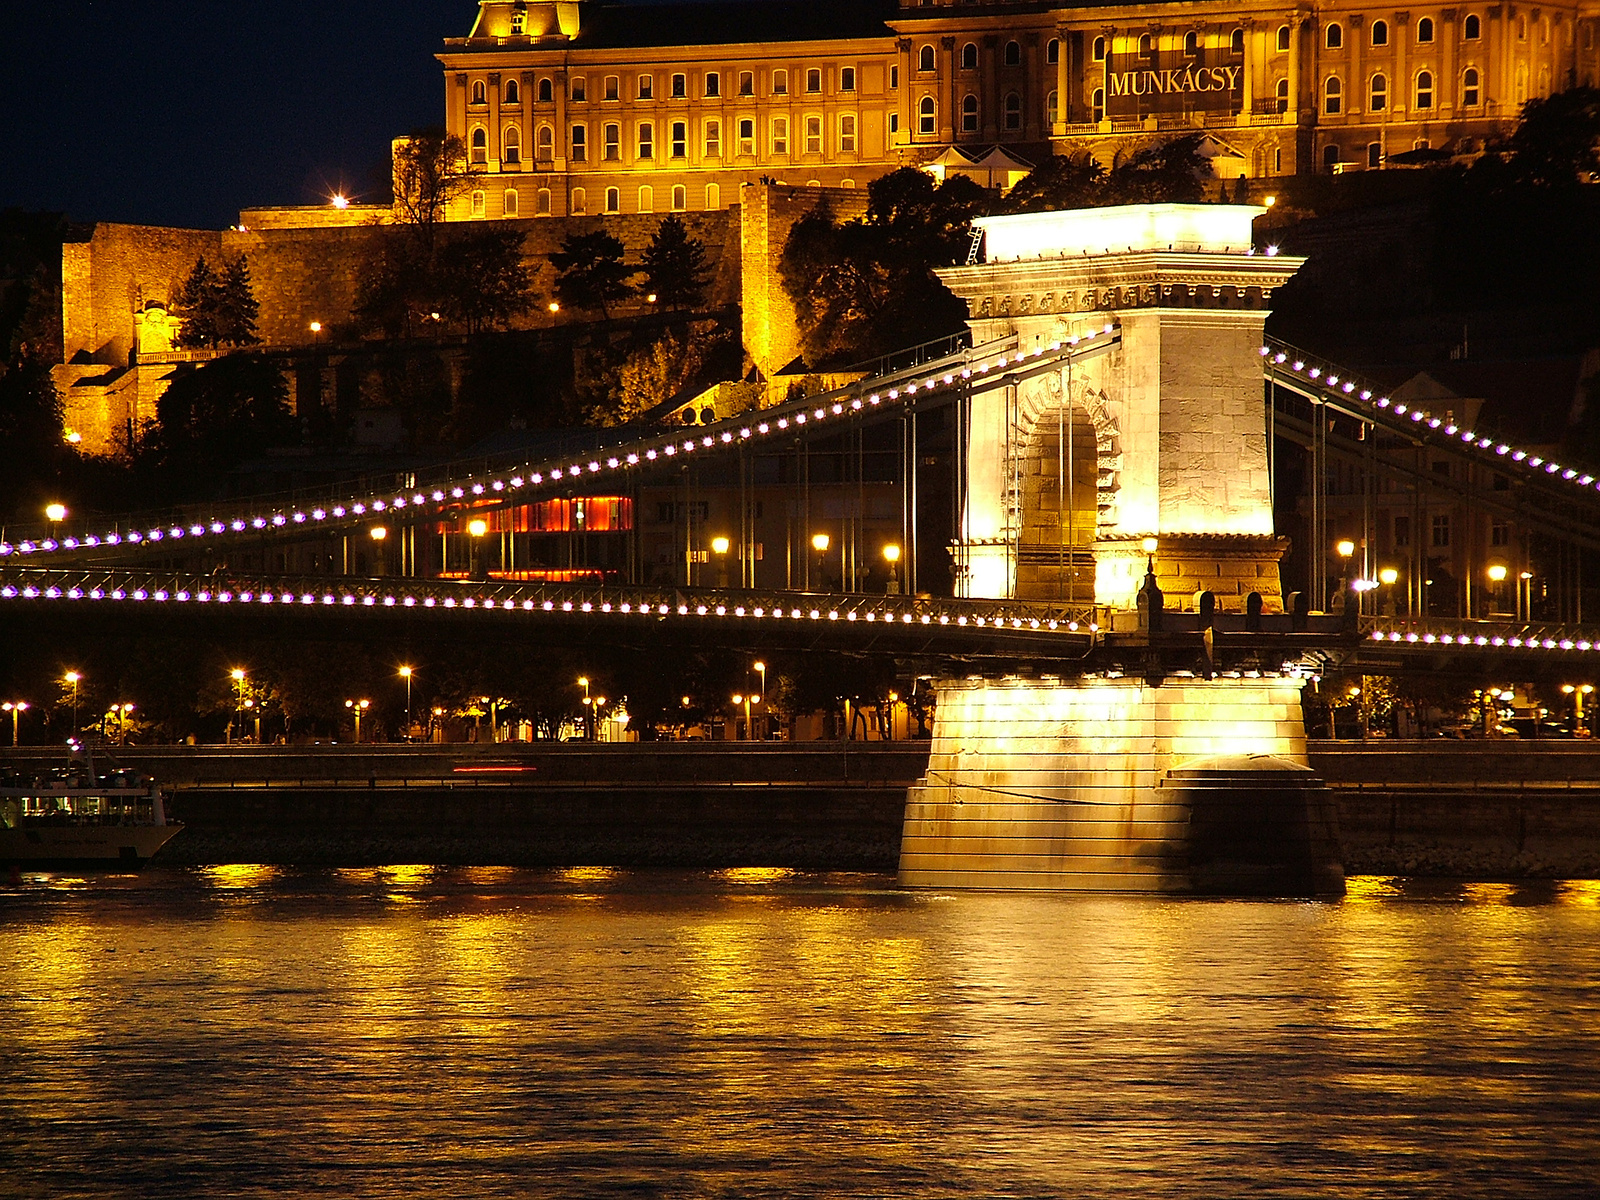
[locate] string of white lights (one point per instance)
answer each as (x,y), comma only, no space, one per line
(1505,457)
(956,370)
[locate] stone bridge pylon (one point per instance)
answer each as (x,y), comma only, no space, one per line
(1124,779)
(1164,436)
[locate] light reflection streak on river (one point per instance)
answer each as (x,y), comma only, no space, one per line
(426,1031)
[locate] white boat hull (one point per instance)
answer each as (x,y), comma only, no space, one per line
(42,846)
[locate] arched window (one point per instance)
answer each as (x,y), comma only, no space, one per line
(1052,107)
(1380,33)
(1283,95)
(969,57)
(1013,111)
(1332,93)
(1330,157)
(511,146)
(1544,81)
(1099,49)
(1147,45)
(1469,86)
(1097,103)
(1283,38)
(1544,31)
(969,113)
(544,143)
(613,200)
(1425,29)
(713,197)
(479,95)
(1378,94)
(519,22)
(613,88)
(547,92)
(925,59)
(613,143)
(647,199)
(1334,38)
(1052,50)
(747,83)
(577,89)
(480,145)
(1472,27)
(1424,89)
(513,92)
(925,116)
(680,197)
(508,203)
(1236,42)
(479,208)
(645,87)
(541,203)
(1374,155)
(580,202)
(1191,43)
(1013,54)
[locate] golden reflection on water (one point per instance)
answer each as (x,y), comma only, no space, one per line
(1583,893)
(1369,889)
(1488,893)
(755,875)
(237,876)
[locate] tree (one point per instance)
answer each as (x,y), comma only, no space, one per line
(590,272)
(1060,181)
(220,414)
(1556,144)
(481,278)
(661,370)
(218,309)
(674,266)
(1164,173)
(431,169)
(867,287)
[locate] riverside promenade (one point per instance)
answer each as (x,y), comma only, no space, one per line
(1484,809)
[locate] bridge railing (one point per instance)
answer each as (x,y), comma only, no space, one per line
(1491,634)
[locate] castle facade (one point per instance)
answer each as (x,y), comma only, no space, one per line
(586,107)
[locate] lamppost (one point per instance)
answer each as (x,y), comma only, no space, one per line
(761,670)
(357,707)
(719,547)
(599,703)
(892,553)
(1344,548)
(55,513)
(476,528)
(316,332)
(588,709)
(747,700)
(72,677)
(237,675)
(1387,576)
(16,708)
(121,711)
(1525,596)
(820,543)
(405,673)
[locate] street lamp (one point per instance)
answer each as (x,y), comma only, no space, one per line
(237,675)
(121,711)
(588,711)
(747,700)
(820,543)
(720,546)
(16,708)
(1525,596)
(55,513)
(357,707)
(405,673)
(476,528)
(72,677)
(892,553)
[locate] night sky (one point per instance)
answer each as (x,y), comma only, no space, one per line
(182,112)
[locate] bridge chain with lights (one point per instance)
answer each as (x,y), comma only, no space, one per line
(994,364)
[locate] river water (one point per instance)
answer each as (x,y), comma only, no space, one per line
(431,1032)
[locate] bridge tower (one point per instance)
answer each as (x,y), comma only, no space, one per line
(1122,780)
(1069,472)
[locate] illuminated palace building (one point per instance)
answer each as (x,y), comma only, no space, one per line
(590,107)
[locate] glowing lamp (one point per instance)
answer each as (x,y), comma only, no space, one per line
(1388,575)
(1497,572)
(820,542)
(892,552)
(55,512)
(720,545)
(1344,547)
(478,527)
(379,533)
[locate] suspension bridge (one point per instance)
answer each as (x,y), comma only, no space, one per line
(1115,429)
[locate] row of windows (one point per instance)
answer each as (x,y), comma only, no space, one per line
(1422,94)
(1439,532)
(811,126)
(510,203)
(644,86)
(1378,33)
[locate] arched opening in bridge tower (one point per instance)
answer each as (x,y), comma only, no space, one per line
(1057,476)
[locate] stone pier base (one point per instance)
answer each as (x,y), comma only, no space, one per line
(1113,785)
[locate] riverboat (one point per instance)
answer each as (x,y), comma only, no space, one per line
(78,818)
